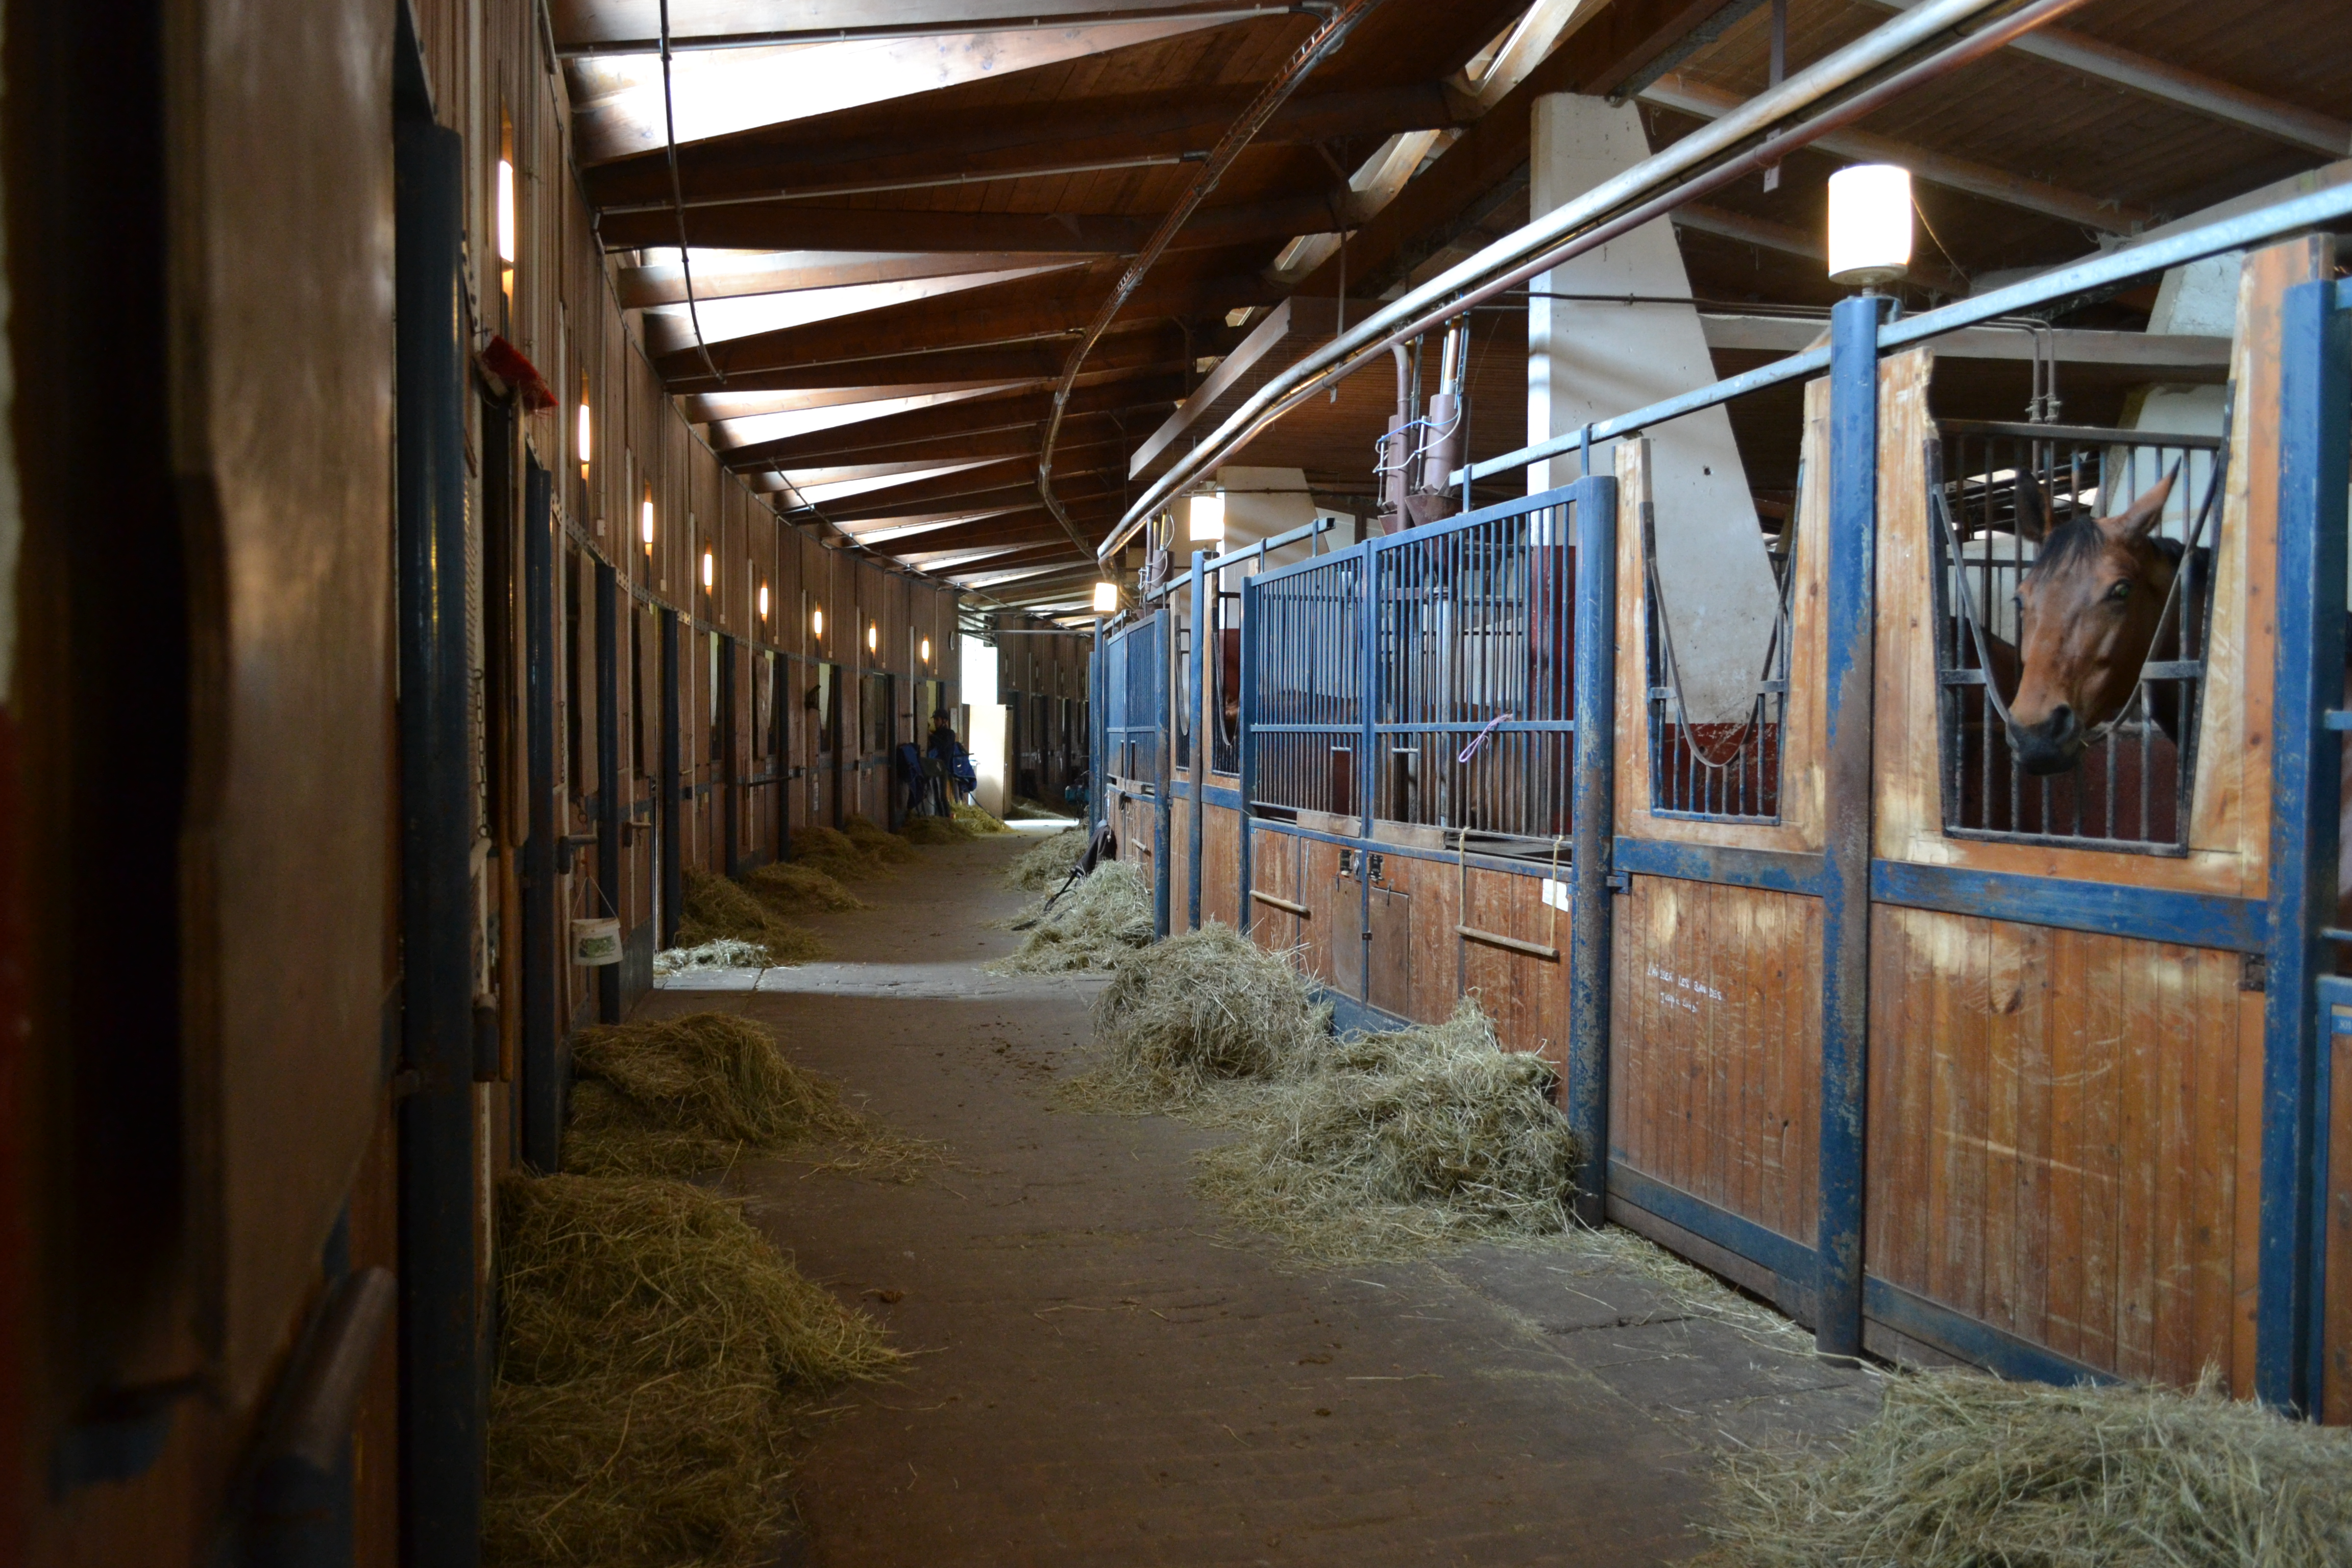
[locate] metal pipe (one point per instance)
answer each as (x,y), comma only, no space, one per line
(956,29)
(441,1321)
(608,782)
(1568,230)
(673,875)
(1592,822)
(2052,292)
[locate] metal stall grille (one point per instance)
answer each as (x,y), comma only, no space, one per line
(2002,498)
(1135,664)
(1723,767)
(1474,632)
(1305,624)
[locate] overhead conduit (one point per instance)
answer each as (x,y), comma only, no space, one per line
(1641,195)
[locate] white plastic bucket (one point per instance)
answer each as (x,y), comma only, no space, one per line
(595,942)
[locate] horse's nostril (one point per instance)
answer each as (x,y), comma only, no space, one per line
(2062,721)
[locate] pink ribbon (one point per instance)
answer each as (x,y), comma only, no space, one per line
(1479,739)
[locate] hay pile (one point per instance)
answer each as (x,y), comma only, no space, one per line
(793,886)
(1047,864)
(720,909)
(724,953)
(1961,1470)
(879,843)
(1400,1141)
(655,1351)
(836,855)
(936,830)
(1102,920)
(977,820)
(693,1094)
(1199,1010)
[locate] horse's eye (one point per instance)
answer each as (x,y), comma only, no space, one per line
(2120,592)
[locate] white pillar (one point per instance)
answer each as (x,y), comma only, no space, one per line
(1591,361)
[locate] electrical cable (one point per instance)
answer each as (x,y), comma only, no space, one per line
(1318,47)
(678,200)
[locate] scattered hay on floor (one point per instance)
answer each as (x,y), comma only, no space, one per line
(1961,1470)
(1024,809)
(1102,920)
(882,844)
(798,886)
(687,1095)
(724,953)
(1207,1008)
(936,830)
(719,908)
(979,820)
(656,1351)
(1430,1136)
(1047,864)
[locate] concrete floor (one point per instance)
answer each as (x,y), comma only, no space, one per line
(1103,1374)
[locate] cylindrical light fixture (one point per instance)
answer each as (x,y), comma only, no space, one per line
(816,623)
(927,650)
(1105,598)
(583,443)
(710,571)
(506,212)
(763,601)
(873,637)
(646,522)
(1204,518)
(1870,224)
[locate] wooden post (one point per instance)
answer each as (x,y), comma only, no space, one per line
(1853,546)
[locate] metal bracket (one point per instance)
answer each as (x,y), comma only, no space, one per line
(1620,882)
(2253,972)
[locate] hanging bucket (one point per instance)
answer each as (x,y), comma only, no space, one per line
(596,941)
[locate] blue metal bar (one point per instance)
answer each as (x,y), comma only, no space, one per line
(1977,1343)
(2044,294)
(1370,689)
(1159,663)
(608,780)
(1853,545)
(2110,908)
(1201,733)
(1593,807)
(669,844)
(1248,742)
(542,1076)
(1775,870)
(2315,402)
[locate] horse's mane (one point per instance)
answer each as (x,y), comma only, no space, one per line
(2081,536)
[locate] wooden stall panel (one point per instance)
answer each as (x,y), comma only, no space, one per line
(2064,1136)
(1219,849)
(1329,947)
(1273,870)
(1715,1049)
(1435,962)
(1526,995)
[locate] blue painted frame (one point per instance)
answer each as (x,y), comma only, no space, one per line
(1201,738)
(1592,502)
(1853,556)
(2315,403)
(2148,914)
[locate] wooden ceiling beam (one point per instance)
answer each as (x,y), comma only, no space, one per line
(955,422)
(799,225)
(1014,440)
(962,142)
(1012,482)
(991,315)
(1153,348)
(1601,52)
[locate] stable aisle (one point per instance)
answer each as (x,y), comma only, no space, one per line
(1103,1373)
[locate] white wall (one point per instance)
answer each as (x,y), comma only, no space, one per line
(1588,361)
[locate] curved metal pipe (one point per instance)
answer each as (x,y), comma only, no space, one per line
(1568,230)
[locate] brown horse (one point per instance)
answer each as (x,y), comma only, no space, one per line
(2092,610)
(2096,604)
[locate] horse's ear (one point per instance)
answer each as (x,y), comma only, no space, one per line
(2032,512)
(2135,521)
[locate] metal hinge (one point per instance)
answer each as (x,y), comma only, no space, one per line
(2253,972)
(1621,881)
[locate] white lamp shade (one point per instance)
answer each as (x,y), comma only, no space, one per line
(763,601)
(506,212)
(816,622)
(1204,518)
(1870,224)
(1105,598)
(710,569)
(647,528)
(584,427)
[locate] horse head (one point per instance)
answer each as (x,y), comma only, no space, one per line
(2089,610)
